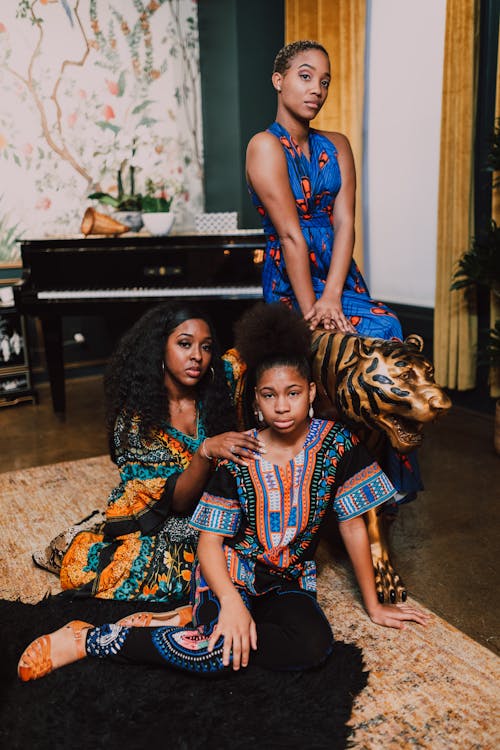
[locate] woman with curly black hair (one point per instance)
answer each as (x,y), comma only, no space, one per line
(169,416)
(254,590)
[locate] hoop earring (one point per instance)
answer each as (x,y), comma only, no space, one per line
(311,411)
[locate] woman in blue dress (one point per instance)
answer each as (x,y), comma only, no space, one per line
(303,183)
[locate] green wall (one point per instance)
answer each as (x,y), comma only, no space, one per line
(238,43)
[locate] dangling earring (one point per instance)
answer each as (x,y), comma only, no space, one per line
(259,416)
(163,368)
(311,411)
(212,373)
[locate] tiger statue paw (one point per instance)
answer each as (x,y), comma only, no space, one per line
(388,584)
(385,391)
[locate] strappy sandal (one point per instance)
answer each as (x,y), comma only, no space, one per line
(36,662)
(144,619)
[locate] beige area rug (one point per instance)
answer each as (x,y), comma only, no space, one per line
(428,688)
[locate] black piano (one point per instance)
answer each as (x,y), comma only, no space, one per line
(123,276)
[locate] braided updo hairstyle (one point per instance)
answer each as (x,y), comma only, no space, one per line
(286,54)
(273,335)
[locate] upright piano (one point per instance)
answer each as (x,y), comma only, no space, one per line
(107,276)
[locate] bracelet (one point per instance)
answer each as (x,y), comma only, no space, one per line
(204,452)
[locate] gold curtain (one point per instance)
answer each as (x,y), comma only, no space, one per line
(455,318)
(339,25)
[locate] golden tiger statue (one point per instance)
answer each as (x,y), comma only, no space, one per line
(384,390)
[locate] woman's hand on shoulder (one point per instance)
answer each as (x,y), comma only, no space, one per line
(238,447)
(396,615)
(237,627)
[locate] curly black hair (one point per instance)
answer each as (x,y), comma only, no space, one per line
(134,379)
(271,335)
(286,54)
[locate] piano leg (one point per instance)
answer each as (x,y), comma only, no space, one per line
(52,335)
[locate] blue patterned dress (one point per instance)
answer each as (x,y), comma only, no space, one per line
(315,183)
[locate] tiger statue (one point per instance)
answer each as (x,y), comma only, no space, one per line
(384,390)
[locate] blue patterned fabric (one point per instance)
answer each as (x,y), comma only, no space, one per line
(315,183)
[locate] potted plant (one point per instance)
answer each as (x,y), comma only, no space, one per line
(480,265)
(128,206)
(156,214)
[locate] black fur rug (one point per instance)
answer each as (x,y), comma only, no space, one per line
(99,705)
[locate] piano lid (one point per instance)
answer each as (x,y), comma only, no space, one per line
(139,239)
(176,260)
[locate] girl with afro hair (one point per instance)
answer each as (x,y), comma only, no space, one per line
(254,587)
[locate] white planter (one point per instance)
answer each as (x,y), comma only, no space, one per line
(131,219)
(159,224)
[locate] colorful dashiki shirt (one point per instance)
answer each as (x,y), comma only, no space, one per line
(315,183)
(270,515)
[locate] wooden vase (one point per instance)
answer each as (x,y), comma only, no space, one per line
(94,222)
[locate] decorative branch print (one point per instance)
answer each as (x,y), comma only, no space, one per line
(89,87)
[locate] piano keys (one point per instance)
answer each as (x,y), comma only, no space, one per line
(110,275)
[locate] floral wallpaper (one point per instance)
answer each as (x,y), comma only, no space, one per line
(89,86)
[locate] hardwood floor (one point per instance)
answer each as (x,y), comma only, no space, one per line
(445,544)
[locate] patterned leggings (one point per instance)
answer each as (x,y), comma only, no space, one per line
(292,634)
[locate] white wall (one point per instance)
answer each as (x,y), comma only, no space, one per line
(405,47)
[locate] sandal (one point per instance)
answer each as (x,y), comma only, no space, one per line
(144,619)
(36,662)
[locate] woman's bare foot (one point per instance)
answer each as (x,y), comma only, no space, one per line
(49,652)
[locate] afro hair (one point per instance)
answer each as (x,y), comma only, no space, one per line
(268,335)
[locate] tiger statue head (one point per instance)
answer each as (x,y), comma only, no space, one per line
(384,385)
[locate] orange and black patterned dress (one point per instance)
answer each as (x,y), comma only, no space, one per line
(142,550)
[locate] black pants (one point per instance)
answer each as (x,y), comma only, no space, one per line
(292,634)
